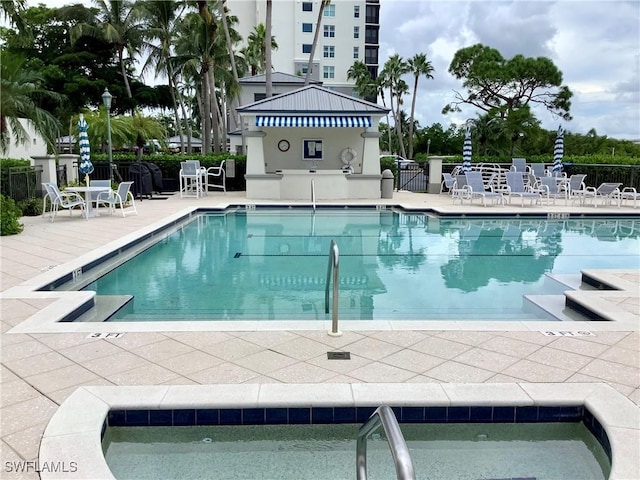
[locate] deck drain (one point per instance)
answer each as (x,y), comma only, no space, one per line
(237,255)
(338,355)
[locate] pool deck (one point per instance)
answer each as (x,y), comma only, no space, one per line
(40,370)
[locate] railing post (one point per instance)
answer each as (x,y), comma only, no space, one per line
(334,264)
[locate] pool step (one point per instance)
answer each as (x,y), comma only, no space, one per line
(571,281)
(552,305)
(105,307)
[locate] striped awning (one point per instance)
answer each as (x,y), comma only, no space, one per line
(322,121)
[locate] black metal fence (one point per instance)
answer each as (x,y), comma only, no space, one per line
(23,183)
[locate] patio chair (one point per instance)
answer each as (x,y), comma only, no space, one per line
(550,188)
(538,170)
(516,188)
(629,193)
(460,191)
(575,187)
(216,173)
(97,183)
(60,199)
(447,182)
(121,196)
(477,189)
(518,165)
(191,175)
(606,192)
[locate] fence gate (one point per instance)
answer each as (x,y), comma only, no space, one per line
(24,183)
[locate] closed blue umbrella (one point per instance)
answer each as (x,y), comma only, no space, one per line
(86,167)
(558,153)
(466,150)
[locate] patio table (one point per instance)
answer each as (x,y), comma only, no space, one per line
(89,211)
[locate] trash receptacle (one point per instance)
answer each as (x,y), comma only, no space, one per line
(387,184)
(230,168)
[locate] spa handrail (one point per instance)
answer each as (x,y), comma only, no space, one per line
(313,194)
(333,265)
(384,416)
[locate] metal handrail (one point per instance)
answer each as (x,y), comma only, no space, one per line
(334,264)
(401,457)
(313,194)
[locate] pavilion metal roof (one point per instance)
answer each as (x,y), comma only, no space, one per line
(312,100)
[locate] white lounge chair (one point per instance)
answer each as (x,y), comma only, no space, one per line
(516,188)
(629,193)
(447,182)
(550,188)
(538,170)
(477,189)
(606,192)
(120,197)
(58,199)
(518,165)
(215,173)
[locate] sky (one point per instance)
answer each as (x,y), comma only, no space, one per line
(595,44)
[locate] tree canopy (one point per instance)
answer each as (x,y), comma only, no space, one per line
(501,86)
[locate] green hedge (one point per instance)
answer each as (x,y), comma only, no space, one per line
(9,215)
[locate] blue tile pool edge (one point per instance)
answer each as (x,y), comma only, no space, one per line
(183,417)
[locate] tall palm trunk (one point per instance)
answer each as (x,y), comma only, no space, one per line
(232,60)
(307,78)
(413,110)
(206,111)
(267,49)
(123,70)
(214,108)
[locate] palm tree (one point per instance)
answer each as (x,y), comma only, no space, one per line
(12,10)
(20,90)
(394,68)
(232,58)
(418,65)
(160,24)
(255,51)
(117,23)
(365,86)
(323,3)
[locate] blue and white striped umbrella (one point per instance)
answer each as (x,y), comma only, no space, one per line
(558,153)
(466,150)
(86,167)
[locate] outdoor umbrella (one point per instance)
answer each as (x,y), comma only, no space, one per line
(86,167)
(558,152)
(466,150)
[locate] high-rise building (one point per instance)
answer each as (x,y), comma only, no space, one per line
(349,32)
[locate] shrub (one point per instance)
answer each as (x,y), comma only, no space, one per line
(31,207)
(9,215)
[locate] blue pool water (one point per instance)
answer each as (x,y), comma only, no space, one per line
(270,264)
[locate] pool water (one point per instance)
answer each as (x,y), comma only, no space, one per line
(270,264)
(541,451)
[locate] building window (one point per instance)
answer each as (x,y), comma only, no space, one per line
(356,32)
(356,11)
(371,35)
(329,11)
(307,27)
(306,48)
(329,31)
(259,96)
(329,51)
(356,52)
(307,6)
(328,72)
(305,69)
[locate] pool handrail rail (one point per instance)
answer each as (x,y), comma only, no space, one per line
(333,265)
(384,416)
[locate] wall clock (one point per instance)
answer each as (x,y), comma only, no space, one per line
(283,145)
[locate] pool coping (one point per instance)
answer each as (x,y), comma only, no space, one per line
(51,319)
(73,435)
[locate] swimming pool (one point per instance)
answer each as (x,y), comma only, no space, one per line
(271,264)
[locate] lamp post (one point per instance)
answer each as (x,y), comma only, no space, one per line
(106,98)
